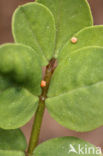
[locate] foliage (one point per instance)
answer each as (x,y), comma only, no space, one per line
(43,32)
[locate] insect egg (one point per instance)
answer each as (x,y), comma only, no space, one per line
(43,83)
(74,40)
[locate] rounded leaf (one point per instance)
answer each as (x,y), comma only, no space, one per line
(66,146)
(75,97)
(89,36)
(20,77)
(12,142)
(20,65)
(70,17)
(17,107)
(33,24)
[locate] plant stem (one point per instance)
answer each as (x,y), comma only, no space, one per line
(41,107)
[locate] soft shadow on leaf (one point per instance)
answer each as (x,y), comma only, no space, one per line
(12,143)
(20,77)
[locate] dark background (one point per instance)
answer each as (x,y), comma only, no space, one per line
(50,128)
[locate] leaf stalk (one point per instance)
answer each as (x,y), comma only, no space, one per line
(41,108)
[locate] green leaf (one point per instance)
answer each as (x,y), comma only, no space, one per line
(11,153)
(33,24)
(20,77)
(70,17)
(90,36)
(22,64)
(12,142)
(17,107)
(76,90)
(63,146)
